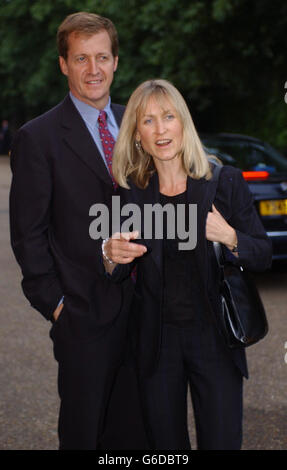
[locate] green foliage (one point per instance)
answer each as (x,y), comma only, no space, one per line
(227,57)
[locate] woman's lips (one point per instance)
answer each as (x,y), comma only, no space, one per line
(163,142)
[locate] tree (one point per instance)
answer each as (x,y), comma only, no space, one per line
(227,57)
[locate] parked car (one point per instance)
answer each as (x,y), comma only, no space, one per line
(265,170)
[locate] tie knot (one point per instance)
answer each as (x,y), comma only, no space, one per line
(102,117)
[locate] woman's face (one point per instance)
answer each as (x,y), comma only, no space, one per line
(160,130)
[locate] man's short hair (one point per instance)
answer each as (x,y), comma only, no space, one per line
(85,23)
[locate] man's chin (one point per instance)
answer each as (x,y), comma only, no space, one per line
(96,100)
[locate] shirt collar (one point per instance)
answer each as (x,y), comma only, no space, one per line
(89,113)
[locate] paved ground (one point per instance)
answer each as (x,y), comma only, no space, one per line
(28,397)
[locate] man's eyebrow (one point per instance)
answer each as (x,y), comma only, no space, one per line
(98,53)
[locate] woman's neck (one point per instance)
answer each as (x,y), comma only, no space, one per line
(172,178)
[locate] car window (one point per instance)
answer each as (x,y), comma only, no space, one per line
(247,156)
(264,160)
(229,153)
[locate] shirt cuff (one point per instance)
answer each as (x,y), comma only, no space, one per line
(61,301)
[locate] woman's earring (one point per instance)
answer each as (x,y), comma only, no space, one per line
(139,145)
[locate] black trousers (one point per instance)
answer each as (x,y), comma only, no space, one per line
(194,356)
(90,373)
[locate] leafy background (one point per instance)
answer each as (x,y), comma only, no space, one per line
(227,57)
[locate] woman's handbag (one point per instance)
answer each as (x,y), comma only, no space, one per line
(242,319)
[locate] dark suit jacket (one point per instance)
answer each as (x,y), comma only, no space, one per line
(234,201)
(58,175)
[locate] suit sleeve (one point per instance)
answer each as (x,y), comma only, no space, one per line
(254,246)
(121,272)
(30,215)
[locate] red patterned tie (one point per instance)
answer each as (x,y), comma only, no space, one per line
(108,142)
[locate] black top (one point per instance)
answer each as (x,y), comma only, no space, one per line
(179,273)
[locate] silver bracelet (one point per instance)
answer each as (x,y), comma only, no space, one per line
(104,254)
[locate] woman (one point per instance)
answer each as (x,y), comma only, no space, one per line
(159,158)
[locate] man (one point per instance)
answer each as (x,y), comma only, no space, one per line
(60,169)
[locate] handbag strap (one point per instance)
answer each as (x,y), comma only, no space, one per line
(216,245)
(218,253)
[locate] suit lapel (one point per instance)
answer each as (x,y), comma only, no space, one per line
(79,140)
(151,196)
(201,192)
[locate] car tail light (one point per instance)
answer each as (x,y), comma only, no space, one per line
(255,175)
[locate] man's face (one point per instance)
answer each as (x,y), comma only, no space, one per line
(90,67)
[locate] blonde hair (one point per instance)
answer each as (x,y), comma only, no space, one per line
(132,161)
